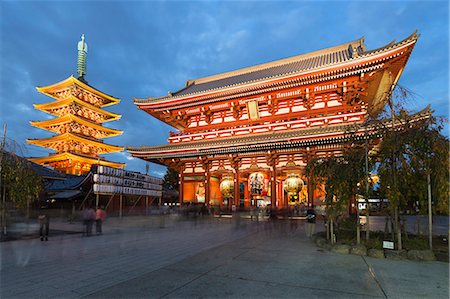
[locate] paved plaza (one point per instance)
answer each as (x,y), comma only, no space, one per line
(150,257)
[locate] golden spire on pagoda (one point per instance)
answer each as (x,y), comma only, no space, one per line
(82,54)
(78,123)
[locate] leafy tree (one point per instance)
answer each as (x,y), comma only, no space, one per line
(19,183)
(406,157)
(171,179)
(341,176)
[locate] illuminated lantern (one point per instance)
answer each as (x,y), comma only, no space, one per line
(374,178)
(293,184)
(258,183)
(227,186)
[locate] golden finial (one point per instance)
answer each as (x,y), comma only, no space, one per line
(82,53)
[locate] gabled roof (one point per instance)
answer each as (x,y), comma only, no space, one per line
(289,65)
(296,65)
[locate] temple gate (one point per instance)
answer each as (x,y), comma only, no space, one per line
(245,137)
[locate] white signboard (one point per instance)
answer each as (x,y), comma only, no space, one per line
(388,245)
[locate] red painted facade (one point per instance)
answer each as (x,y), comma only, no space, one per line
(273,118)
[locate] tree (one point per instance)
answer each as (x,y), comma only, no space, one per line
(20,185)
(171,179)
(341,176)
(407,156)
(323,171)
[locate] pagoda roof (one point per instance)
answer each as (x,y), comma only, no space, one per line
(46,142)
(352,52)
(75,157)
(264,141)
(68,118)
(47,107)
(51,89)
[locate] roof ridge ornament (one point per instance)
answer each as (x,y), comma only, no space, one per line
(82,55)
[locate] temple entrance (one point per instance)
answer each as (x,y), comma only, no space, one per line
(289,190)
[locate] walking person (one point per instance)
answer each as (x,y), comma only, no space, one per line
(100,217)
(91,220)
(310,221)
(88,220)
(85,216)
(44,224)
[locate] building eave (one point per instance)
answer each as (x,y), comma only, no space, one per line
(75,157)
(268,141)
(61,103)
(71,136)
(73,118)
(47,90)
(362,58)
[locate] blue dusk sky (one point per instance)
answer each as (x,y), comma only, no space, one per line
(147,48)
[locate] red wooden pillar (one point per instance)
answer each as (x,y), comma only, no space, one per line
(246,195)
(310,189)
(273,185)
(236,190)
(207,184)
(280,195)
(181,182)
(236,195)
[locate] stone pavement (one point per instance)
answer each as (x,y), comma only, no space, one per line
(212,258)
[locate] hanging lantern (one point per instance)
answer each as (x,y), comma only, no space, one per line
(258,183)
(293,184)
(227,186)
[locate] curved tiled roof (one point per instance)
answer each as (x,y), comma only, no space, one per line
(293,65)
(266,141)
(71,183)
(247,140)
(265,73)
(48,90)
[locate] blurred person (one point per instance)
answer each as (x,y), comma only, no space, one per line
(310,221)
(100,217)
(88,219)
(44,224)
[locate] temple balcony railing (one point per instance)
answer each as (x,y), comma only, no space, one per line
(355,117)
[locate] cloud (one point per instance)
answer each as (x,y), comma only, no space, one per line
(23,108)
(144,49)
(158,173)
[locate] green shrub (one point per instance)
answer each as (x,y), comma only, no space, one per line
(348,224)
(415,243)
(373,243)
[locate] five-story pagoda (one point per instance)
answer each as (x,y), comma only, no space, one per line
(78,126)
